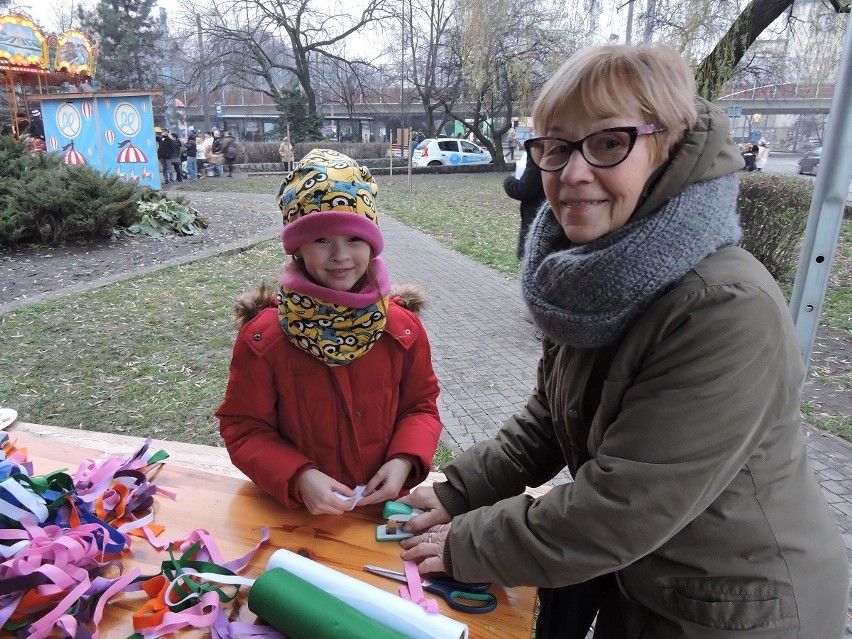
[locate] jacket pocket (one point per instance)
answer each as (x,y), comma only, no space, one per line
(729,603)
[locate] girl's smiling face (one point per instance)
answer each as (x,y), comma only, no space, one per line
(589,202)
(338,262)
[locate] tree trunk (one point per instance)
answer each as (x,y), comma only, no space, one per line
(717,68)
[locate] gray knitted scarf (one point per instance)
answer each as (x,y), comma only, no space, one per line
(588,295)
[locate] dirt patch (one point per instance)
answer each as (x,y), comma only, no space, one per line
(29,273)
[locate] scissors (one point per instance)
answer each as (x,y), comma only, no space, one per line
(470,598)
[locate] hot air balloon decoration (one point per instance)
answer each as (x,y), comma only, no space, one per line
(109,136)
(72,156)
(130,153)
(86,108)
(53,143)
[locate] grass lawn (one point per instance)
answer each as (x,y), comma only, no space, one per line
(149,356)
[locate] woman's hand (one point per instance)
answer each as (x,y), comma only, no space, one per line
(387,482)
(316,489)
(427,549)
(425,498)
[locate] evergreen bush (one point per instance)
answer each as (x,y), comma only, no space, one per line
(774,211)
(43,201)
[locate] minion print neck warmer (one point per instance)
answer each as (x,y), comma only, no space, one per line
(333,333)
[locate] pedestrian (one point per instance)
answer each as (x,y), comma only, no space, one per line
(191,151)
(176,159)
(215,156)
(750,157)
(762,154)
(331,384)
(529,190)
(201,156)
(230,151)
(511,139)
(669,384)
(285,150)
(164,152)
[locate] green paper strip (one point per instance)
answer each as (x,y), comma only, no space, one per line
(300,610)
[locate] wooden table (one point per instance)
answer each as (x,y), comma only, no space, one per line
(234,511)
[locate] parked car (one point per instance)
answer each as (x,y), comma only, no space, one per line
(810,161)
(451,151)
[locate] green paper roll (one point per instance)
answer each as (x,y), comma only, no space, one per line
(302,611)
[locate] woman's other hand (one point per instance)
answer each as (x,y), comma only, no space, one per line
(317,489)
(387,482)
(427,549)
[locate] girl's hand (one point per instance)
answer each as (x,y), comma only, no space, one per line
(316,489)
(387,482)
(427,549)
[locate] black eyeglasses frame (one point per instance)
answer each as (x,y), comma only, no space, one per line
(633,131)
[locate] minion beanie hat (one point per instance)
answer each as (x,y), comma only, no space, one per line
(328,193)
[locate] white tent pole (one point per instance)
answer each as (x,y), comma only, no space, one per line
(826,214)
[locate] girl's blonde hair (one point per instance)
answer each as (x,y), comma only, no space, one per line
(607,80)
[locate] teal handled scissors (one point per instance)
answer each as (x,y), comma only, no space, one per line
(470,598)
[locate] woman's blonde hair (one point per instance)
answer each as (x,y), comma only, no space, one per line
(611,79)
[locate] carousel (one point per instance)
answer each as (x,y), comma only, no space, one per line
(34,63)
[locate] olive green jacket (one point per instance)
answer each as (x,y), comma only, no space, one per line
(691,479)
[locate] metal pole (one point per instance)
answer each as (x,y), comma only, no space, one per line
(650,17)
(205,99)
(826,214)
(628,37)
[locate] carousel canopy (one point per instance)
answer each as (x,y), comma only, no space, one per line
(28,53)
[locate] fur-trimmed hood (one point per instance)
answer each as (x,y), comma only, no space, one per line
(250,303)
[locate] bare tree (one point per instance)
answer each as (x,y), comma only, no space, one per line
(499,54)
(345,83)
(426,31)
(311,31)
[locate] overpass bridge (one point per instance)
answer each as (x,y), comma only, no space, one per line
(777,99)
(252,112)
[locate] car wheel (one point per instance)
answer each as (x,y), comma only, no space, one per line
(434,163)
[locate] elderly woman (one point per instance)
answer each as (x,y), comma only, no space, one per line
(669,385)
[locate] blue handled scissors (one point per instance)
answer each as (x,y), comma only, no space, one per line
(470,598)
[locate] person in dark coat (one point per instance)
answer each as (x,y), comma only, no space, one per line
(191,150)
(230,150)
(164,154)
(750,158)
(177,158)
(529,190)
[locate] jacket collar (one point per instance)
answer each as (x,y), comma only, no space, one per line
(705,153)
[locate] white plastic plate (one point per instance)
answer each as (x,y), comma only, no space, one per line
(7,417)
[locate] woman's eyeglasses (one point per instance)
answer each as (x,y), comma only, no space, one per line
(603,149)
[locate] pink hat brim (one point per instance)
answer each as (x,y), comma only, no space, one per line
(323,223)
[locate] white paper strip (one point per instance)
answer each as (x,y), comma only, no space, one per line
(395,612)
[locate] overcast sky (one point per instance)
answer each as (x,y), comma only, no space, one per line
(44,11)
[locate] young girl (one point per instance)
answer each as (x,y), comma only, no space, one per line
(331,384)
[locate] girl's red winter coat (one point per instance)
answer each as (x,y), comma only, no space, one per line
(285,411)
